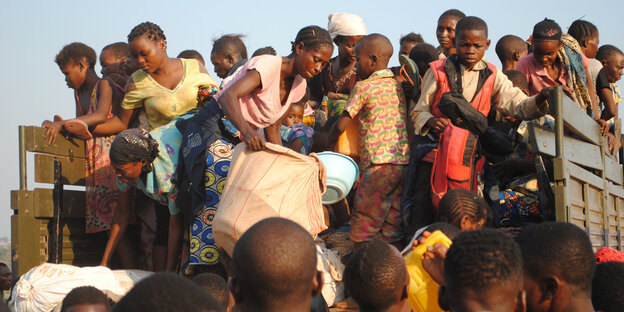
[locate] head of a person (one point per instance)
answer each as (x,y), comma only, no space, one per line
(192,54)
(215,285)
(227,51)
(482,272)
(274,265)
(372,53)
(346,30)
(130,65)
(546,42)
(607,294)
(268,50)
(86,299)
(471,40)
(463,209)
(559,264)
(376,277)
(167,292)
(612,60)
(422,54)
(518,79)
(409,41)
(295,113)
(586,34)
(449,230)
(113,57)
(75,60)
(312,49)
(445,31)
(5,277)
(148,46)
(511,49)
(132,153)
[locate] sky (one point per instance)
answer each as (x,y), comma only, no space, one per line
(33,89)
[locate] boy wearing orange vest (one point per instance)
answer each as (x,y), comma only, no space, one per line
(482,85)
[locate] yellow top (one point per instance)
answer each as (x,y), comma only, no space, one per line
(161,104)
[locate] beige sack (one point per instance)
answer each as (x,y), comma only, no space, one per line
(275,182)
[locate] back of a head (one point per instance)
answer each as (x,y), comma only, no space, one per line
(560,249)
(76,52)
(606,52)
(164,292)
(607,287)
(412,37)
(215,285)
(447,229)
(481,263)
(268,50)
(379,45)
(375,276)
(85,295)
(230,44)
(457,203)
(454,13)
(120,50)
(273,262)
(471,23)
(422,54)
(518,79)
(508,45)
(191,54)
(547,30)
(582,30)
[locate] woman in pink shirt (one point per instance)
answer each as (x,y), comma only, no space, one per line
(253,102)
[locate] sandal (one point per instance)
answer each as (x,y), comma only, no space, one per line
(78,128)
(409,71)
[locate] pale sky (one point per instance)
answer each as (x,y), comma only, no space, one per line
(33,89)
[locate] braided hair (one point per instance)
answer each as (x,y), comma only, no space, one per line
(458,203)
(150,30)
(313,37)
(582,30)
(119,49)
(547,30)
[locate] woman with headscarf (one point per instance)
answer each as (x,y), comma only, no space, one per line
(147,161)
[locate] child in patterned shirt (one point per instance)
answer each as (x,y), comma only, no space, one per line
(384,147)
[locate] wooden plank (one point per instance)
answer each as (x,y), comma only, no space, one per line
(561,200)
(36,141)
(73,203)
(27,244)
(21,199)
(576,151)
(613,170)
(73,171)
(579,173)
(578,122)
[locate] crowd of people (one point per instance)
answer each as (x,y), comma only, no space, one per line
(441,144)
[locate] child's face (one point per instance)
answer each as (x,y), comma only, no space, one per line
(364,62)
(310,62)
(592,46)
(406,47)
(130,65)
(445,32)
(150,54)
(129,172)
(75,74)
(294,116)
(470,46)
(545,51)
(346,47)
(110,64)
(222,64)
(613,67)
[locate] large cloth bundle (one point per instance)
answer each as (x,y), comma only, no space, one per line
(44,287)
(275,182)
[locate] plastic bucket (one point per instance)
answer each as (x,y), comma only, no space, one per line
(342,172)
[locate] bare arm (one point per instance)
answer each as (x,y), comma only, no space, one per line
(339,127)
(272,133)
(116,124)
(120,223)
(104,105)
(606,97)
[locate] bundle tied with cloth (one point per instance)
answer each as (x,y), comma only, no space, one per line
(275,182)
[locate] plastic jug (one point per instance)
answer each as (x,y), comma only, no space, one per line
(349,141)
(423,290)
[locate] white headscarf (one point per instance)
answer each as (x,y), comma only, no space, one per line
(345,24)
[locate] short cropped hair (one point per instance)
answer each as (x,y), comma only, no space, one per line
(120,50)
(545,252)
(164,292)
(411,37)
(191,54)
(607,51)
(471,23)
(422,54)
(215,285)
(274,261)
(374,276)
(480,260)
(518,79)
(607,290)
(85,295)
(76,52)
(452,13)
(230,43)
(268,50)
(449,230)
(508,45)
